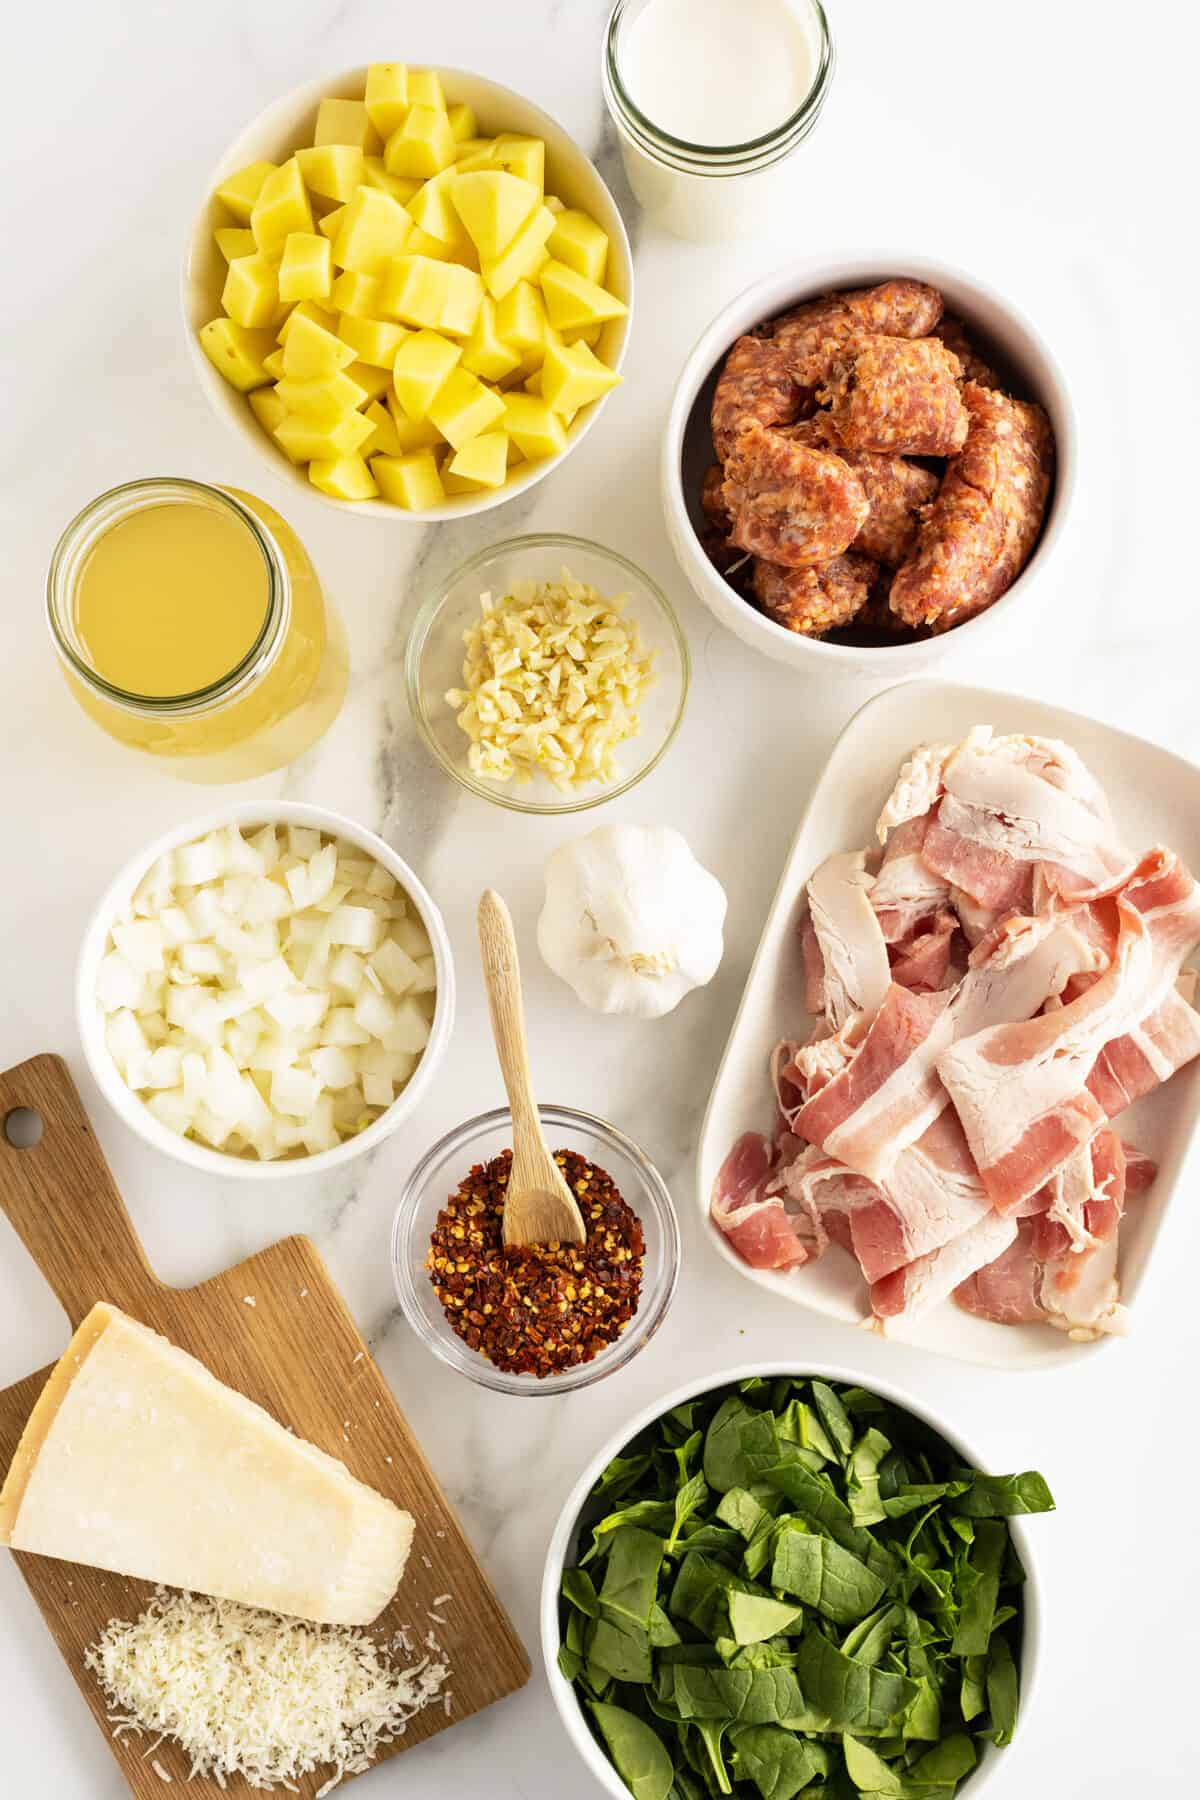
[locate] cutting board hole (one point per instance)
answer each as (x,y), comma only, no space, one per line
(23,1127)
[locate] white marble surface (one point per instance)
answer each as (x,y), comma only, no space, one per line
(1042,148)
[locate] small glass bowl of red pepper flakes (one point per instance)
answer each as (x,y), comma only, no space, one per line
(572,1338)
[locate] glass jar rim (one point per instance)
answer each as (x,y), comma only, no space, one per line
(91,522)
(687,156)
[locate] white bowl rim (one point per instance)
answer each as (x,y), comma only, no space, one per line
(126,1104)
(563,1692)
(806,278)
(459,506)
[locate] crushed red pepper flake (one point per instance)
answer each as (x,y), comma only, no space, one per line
(541,1308)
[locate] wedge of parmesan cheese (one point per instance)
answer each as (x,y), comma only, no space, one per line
(136,1459)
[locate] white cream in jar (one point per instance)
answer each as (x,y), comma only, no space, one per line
(710,97)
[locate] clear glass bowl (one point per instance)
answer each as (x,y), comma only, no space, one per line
(433,663)
(437,1176)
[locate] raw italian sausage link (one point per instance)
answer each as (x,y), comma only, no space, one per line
(755,384)
(898,395)
(896,492)
(953,334)
(789,502)
(812,335)
(814,600)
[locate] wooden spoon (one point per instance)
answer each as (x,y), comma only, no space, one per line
(539,1207)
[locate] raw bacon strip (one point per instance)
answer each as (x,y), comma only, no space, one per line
(923,962)
(1140,1170)
(1137,1062)
(906,891)
(854,957)
(931,1279)
(932,1195)
(1006,1290)
(760,1228)
(1022,1089)
(1079,1289)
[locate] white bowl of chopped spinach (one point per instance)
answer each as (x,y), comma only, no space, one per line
(789,1585)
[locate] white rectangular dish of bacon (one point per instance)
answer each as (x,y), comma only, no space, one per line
(963,1079)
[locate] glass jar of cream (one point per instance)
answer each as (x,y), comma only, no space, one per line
(710,98)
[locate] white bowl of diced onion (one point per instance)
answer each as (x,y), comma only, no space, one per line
(287,1017)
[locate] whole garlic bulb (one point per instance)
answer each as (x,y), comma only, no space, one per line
(631,920)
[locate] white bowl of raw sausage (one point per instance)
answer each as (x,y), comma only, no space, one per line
(1001,333)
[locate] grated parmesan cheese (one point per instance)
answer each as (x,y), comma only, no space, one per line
(251,1694)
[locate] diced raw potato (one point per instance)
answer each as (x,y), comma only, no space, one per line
(463,407)
(273,364)
(373,229)
(306,270)
(522,258)
(374,381)
(462,122)
(423,243)
(295,1091)
(386,97)
(395,968)
(482,462)
(282,206)
(312,353)
(555,204)
(521,319)
(421,291)
(323,399)
(354,926)
(400,187)
(239,193)
(345,122)
(412,434)
(410,1028)
(203,960)
(332,170)
(383,436)
(485,353)
(373,341)
(234,240)
(306,441)
(421,365)
(236,353)
(534,428)
(251,292)
(333,1067)
(411,481)
(572,376)
(572,301)
(523,156)
(580,243)
(140,942)
(344,478)
(425,88)
(423,144)
(355,294)
(331,223)
(267,408)
(492,205)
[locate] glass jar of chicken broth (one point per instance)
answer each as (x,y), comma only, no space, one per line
(710,98)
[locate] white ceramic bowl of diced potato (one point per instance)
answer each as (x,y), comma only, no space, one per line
(345,1110)
(536,436)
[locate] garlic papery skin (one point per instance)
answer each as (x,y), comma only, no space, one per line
(631,920)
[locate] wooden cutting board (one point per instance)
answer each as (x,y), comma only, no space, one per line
(276,1329)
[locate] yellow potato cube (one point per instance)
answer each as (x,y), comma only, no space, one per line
(424,145)
(346,478)
(572,301)
(373,229)
(345,122)
(523,257)
(400,187)
(305,309)
(251,292)
(421,243)
(267,408)
(523,156)
(282,207)
(589,335)
(422,364)
(572,376)
(411,481)
(239,193)
(324,400)
(373,341)
(555,204)
(237,353)
(386,96)
(443,296)
(463,407)
(357,295)
(383,436)
(433,211)
(485,352)
(477,151)
(579,242)
(234,240)
(373,381)
(331,224)
(310,351)
(306,271)
(521,318)
(462,122)
(332,170)
(533,427)
(412,434)
(425,89)
(483,462)
(304,439)
(273,364)
(493,206)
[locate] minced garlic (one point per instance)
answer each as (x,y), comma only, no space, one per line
(552,681)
